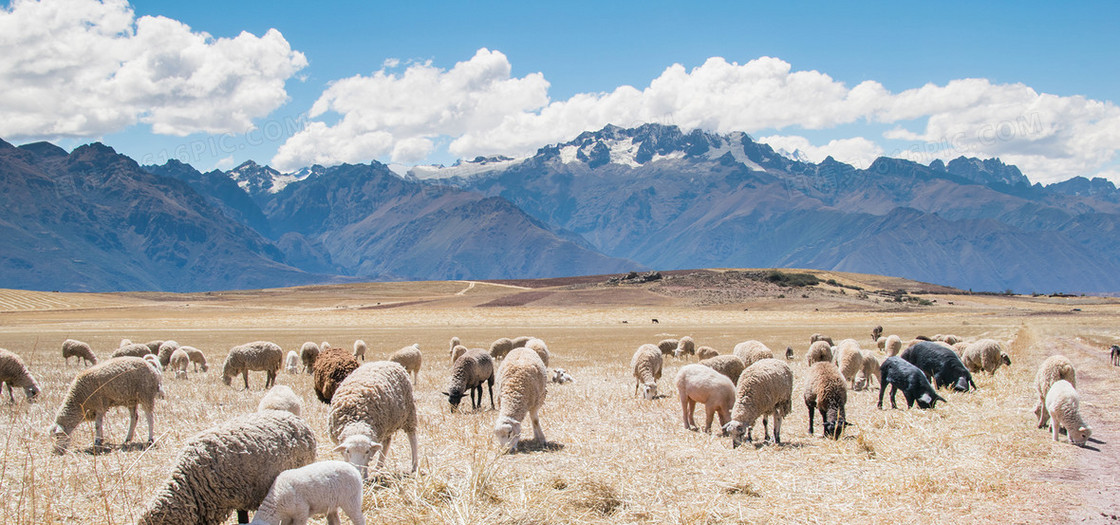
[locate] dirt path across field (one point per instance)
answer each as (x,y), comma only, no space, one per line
(1098,465)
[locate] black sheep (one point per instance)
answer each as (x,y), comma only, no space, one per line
(940,363)
(900,374)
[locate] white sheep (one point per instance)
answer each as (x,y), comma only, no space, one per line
(870,370)
(360,349)
(705,352)
(120,381)
(560,376)
(164,351)
(893,345)
(368,407)
(752,351)
(411,359)
(308,353)
(646,366)
(74,348)
(728,365)
(153,360)
(686,346)
(13,372)
(1063,404)
(451,349)
(701,384)
(1055,368)
(460,350)
(258,355)
(881,342)
(521,391)
(230,467)
(849,359)
(764,388)
(133,350)
(291,362)
(180,361)
(312,490)
(668,346)
(196,357)
(537,345)
(986,355)
(818,351)
(502,346)
(281,397)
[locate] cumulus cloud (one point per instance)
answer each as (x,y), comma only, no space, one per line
(857,151)
(483,110)
(84,68)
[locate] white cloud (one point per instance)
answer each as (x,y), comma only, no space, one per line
(857,151)
(225,163)
(85,68)
(482,110)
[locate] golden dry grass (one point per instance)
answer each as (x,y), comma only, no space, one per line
(610,457)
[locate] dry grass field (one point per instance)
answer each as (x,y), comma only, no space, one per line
(610,457)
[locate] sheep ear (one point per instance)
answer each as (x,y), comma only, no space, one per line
(373,449)
(340,448)
(446,394)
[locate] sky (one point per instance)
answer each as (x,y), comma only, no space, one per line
(294,84)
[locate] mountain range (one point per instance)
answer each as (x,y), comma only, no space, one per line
(608,201)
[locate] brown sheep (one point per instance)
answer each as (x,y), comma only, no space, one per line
(331,367)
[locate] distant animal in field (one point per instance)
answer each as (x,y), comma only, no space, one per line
(655,321)
(1115,355)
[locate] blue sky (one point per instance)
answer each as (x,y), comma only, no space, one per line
(1046,99)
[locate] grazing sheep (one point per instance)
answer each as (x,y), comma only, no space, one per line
(538,346)
(165,350)
(230,467)
(821,337)
(764,388)
(825,390)
(468,373)
(849,359)
(132,350)
(894,345)
(153,346)
(312,490)
(153,360)
(881,342)
(410,358)
(196,357)
(646,366)
(686,346)
(870,369)
(73,348)
(559,376)
(124,343)
(939,362)
(818,351)
(502,346)
(705,352)
(985,354)
(701,384)
(360,349)
(1055,368)
(291,362)
(668,346)
(959,349)
(120,381)
(259,356)
(451,349)
(752,351)
(369,406)
(921,338)
(458,351)
(13,372)
(728,365)
(900,374)
(876,332)
(521,391)
(519,342)
(179,363)
(331,368)
(281,397)
(789,353)
(1114,355)
(308,353)
(1063,403)
(948,339)
(324,346)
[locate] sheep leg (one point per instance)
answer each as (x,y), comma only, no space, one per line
(538,434)
(1043,415)
(686,411)
(11,397)
(332,517)
(245,375)
(133,416)
(765,429)
(474,405)
(777,429)
(812,408)
(415,463)
(1055,428)
(894,390)
(270,379)
(149,412)
(353,509)
(383,452)
(97,424)
(490,384)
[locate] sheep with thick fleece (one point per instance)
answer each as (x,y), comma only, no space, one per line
(893,345)
(331,368)
(764,388)
(818,351)
(537,345)
(451,348)
(230,467)
(849,359)
(153,346)
(259,356)
(901,374)
(646,366)
(522,387)
(153,360)
(132,350)
(165,350)
(179,363)
(458,351)
(881,342)
(281,397)
(74,348)
(469,372)
(985,354)
(360,349)
(668,346)
(120,381)
(870,370)
(411,359)
(370,405)
(320,488)
(948,339)
(705,352)
(502,346)
(940,362)
(291,362)
(1063,404)
(13,372)
(752,351)
(1055,368)
(686,346)
(308,353)
(826,391)
(701,384)
(728,365)
(960,348)
(820,337)
(196,357)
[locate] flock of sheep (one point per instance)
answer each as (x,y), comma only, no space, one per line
(266,460)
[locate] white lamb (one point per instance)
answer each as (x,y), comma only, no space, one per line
(313,490)
(646,365)
(291,362)
(1063,404)
(522,386)
(701,384)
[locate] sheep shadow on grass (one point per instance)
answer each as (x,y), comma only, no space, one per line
(106,448)
(526,447)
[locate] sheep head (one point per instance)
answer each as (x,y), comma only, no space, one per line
(61,438)
(454,397)
(737,431)
(1006,359)
(649,390)
(928,400)
(358,450)
(1080,436)
(834,424)
(508,433)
